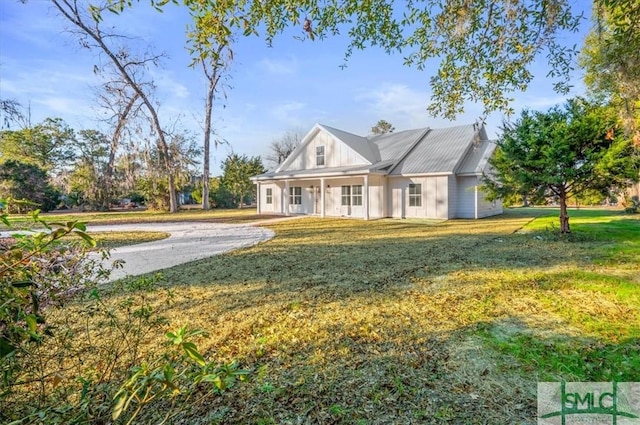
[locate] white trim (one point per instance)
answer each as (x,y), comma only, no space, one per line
(366,197)
(258,198)
(322,190)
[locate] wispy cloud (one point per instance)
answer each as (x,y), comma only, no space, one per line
(397,103)
(288,112)
(279,66)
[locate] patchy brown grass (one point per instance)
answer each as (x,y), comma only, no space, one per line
(409,321)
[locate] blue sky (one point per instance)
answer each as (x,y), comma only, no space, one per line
(292,85)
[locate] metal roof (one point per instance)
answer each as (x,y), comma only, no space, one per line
(440,151)
(477,158)
(393,146)
(461,149)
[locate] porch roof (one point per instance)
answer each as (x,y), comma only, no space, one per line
(378,168)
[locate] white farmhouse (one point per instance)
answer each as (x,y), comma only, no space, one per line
(426,173)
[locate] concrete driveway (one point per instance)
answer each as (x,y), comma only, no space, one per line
(188,242)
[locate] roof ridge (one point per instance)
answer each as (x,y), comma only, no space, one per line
(415,143)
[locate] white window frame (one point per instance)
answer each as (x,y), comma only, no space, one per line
(269,196)
(415,194)
(356,195)
(320,158)
(345,200)
(295,195)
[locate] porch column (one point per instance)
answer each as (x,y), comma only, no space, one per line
(286,197)
(322,190)
(258,198)
(366,197)
(475,201)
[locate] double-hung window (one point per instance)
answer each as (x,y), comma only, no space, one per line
(352,195)
(415,195)
(269,197)
(320,155)
(356,195)
(295,195)
(346,195)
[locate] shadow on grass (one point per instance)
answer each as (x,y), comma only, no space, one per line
(394,322)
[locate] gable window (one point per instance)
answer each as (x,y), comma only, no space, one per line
(356,195)
(295,195)
(319,155)
(269,196)
(415,195)
(346,195)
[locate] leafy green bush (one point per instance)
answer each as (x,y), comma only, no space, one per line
(633,205)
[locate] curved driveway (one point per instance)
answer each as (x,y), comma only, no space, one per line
(188,242)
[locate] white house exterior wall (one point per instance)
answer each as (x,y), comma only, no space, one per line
(487,208)
(466,187)
(472,201)
(452,196)
(377,192)
(275,207)
(435,194)
(336,154)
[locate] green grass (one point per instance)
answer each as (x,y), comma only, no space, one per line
(411,321)
(143,216)
(111,240)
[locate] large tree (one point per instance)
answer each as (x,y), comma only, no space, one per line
(481,51)
(27,186)
(87,21)
(611,59)
(48,145)
(212,51)
(87,180)
(564,151)
(237,171)
(281,148)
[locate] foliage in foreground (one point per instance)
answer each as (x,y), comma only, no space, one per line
(90,366)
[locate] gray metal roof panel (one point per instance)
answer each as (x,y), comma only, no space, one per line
(392,146)
(440,151)
(477,158)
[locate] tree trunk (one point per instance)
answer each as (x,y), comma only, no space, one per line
(207,143)
(73,15)
(564,216)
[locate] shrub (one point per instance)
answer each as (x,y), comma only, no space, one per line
(74,351)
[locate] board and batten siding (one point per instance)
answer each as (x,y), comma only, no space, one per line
(276,205)
(467,195)
(336,154)
(435,197)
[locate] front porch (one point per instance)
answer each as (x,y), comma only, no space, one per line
(353,196)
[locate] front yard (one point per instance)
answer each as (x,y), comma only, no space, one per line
(408,321)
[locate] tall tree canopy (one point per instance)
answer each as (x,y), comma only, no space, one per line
(382,127)
(562,152)
(485,48)
(236,173)
(48,145)
(611,59)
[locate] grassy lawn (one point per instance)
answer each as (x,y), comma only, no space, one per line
(141,216)
(110,240)
(410,321)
